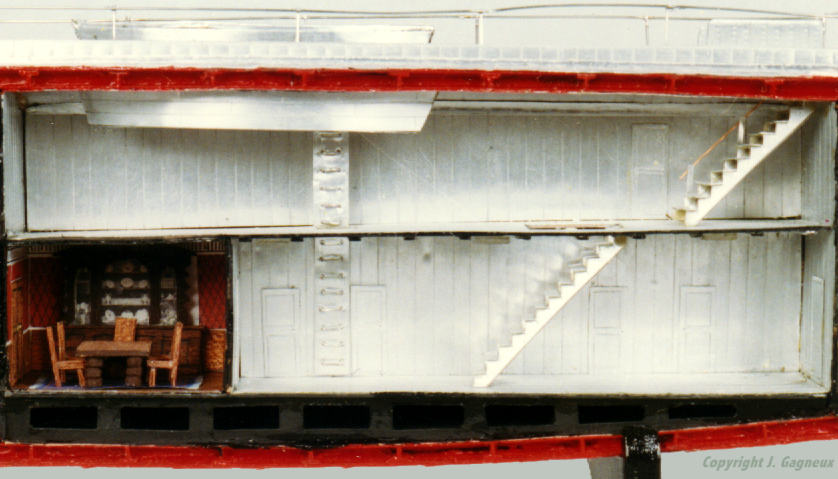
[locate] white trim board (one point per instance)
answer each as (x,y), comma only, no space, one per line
(494,227)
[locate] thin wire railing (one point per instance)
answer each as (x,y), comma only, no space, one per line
(647,13)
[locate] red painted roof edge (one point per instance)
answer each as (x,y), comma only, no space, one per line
(426,454)
(811,88)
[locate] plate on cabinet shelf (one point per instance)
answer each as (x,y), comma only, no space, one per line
(108,284)
(126,282)
(128,301)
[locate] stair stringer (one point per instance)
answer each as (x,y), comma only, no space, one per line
(582,271)
(734,170)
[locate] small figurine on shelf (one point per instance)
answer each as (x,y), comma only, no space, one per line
(82,314)
(168,314)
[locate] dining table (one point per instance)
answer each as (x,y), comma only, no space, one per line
(95,352)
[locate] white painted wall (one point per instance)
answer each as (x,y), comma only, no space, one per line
(90,177)
(463,167)
(667,304)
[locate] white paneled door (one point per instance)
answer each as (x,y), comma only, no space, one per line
(281,330)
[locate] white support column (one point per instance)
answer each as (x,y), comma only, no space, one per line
(331,179)
(331,306)
(13,167)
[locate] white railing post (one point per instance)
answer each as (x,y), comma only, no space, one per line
(823,31)
(297,27)
(478,29)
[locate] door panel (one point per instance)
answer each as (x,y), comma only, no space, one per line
(281,311)
(367,323)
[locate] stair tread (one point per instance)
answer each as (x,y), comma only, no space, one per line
(536,312)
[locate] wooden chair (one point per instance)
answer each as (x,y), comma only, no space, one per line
(60,365)
(169,362)
(125,329)
(62,348)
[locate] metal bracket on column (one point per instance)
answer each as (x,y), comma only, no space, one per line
(642,453)
(331,179)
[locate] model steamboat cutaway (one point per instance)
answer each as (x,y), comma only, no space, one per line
(338,237)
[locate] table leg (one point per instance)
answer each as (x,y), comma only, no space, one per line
(134,372)
(93,372)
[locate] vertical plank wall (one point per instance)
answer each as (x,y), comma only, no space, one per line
(666,304)
(497,166)
(91,177)
(819,266)
(478,166)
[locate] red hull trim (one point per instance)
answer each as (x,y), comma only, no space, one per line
(426,454)
(819,88)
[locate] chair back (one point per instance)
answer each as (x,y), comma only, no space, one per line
(176,335)
(53,357)
(62,341)
(125,329)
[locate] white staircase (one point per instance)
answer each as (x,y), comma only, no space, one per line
(705,196)
(574,273)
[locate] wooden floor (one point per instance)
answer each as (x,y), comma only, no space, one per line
(685,384)
(211,382)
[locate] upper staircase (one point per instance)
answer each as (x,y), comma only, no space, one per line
(701,200)
(575,267)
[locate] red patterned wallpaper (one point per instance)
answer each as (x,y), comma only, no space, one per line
(212,290)
(44,290)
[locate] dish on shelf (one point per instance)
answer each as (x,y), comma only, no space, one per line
(126,314)
(109,317)
(126,267)
(142,284)
(126,282)
(142,317)
(108,284)
(128,301)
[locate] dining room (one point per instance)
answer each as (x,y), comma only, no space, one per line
(119,318)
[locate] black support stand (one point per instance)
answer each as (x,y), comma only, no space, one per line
(643,453)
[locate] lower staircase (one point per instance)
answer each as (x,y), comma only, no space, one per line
(575,265)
